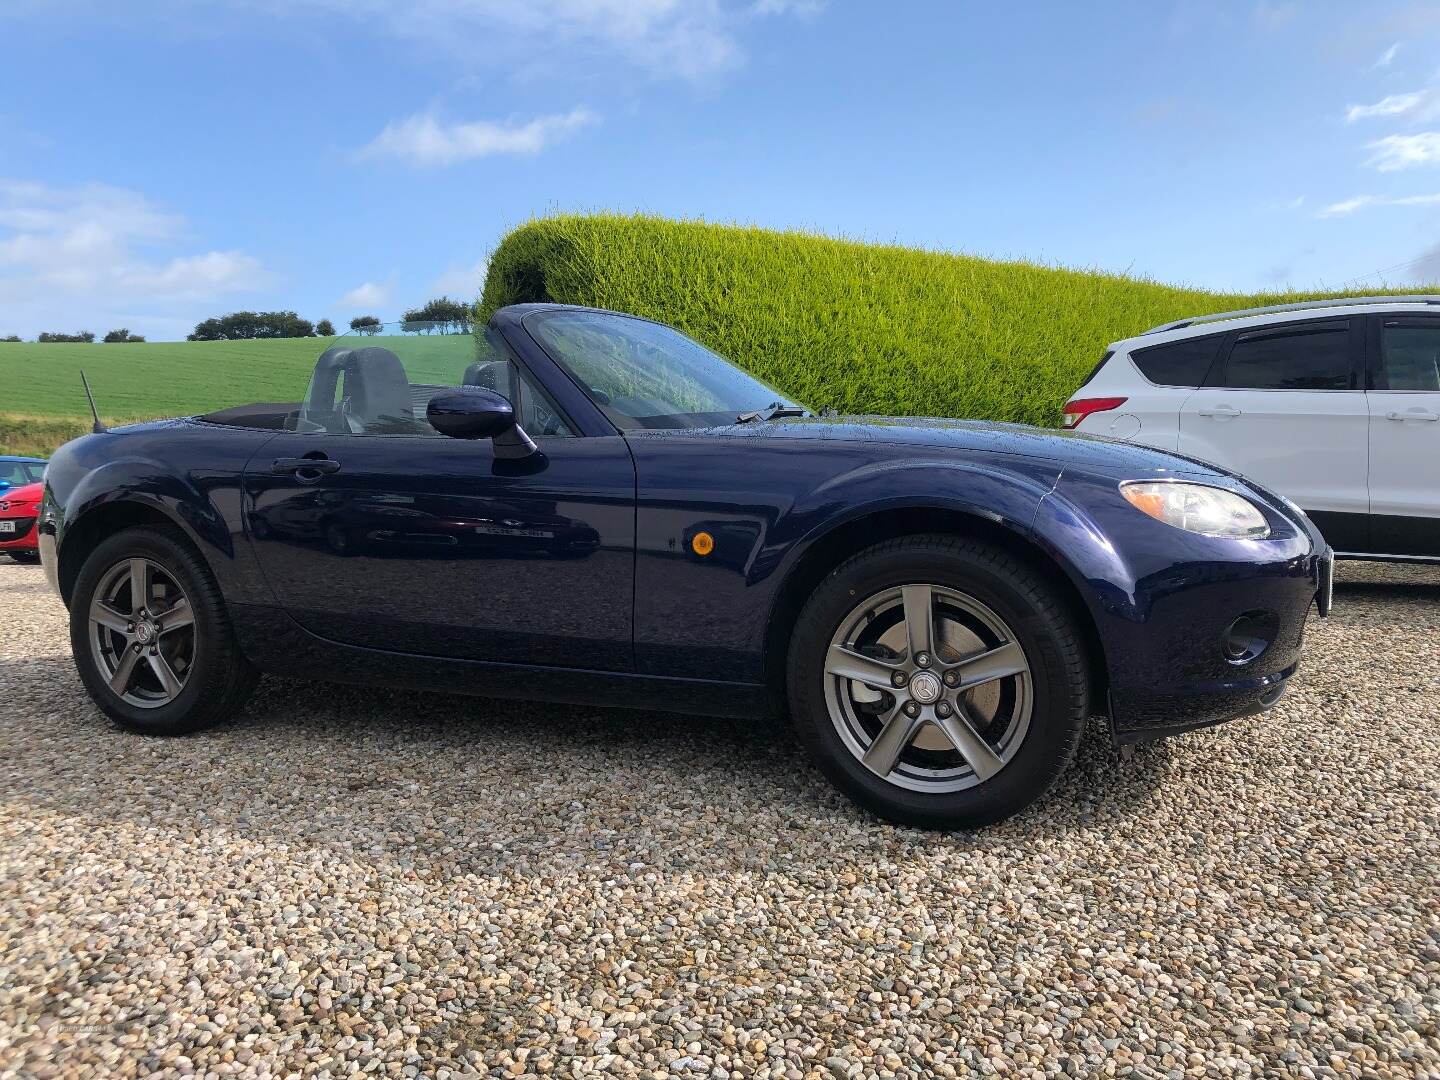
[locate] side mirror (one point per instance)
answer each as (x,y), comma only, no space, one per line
(472,412)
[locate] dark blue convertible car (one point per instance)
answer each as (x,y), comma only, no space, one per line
(582,506)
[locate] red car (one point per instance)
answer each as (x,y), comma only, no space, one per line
(19,506)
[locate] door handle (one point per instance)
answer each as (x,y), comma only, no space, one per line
(1219,411)
(299,466)
(1413,414)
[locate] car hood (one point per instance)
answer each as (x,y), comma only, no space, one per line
(1050,444)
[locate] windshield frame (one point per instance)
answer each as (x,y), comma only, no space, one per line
(624,424)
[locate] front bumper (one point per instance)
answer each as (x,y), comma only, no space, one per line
(1181,617)
(1179,679)
(21,537)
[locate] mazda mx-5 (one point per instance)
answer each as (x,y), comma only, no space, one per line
(582,506)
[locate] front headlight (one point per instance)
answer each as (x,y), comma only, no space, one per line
(1197,508)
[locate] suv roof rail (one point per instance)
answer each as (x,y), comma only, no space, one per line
(1303,305)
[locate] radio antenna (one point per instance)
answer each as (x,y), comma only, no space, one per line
(98,427)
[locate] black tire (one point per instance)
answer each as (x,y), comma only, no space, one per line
(1056,683)
(219,679)
(28,558)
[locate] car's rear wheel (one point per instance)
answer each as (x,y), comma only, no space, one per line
(938,681)
(151,637)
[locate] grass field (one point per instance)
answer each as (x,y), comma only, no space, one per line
(862,328)
(44,403)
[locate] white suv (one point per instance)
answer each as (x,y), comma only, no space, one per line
(1333,403)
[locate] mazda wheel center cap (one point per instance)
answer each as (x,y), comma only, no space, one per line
(925,688)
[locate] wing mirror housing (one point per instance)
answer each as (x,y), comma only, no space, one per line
(473,412)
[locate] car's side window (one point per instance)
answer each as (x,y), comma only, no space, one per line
(381,385)
(537,413)
(1180,363)
(1314,357)
(1410,355)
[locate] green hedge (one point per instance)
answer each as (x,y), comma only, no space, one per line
(863,328)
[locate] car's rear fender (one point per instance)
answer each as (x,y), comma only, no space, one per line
(136,484)
(97,488)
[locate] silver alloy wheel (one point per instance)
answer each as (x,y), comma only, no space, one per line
(142,633)
(928,688)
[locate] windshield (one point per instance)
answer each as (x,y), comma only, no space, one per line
(16,473)
(645,375)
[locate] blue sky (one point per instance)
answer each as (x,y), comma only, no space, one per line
(171,161)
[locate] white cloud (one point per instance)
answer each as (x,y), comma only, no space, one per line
(788,7)
(195,277)
(461,281)
(1361,202)
(87,256)
(1393,105)
(1348,206)
(366,296)
(1405,151)
(1388,56)
(423,140)
(685,39)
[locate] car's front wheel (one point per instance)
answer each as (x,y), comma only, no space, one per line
(151,637)
(938,681)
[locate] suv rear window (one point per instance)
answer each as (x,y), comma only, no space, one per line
(1180,363)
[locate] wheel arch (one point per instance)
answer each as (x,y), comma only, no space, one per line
(100,522)
(848,538)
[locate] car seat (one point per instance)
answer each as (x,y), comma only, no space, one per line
(377,392)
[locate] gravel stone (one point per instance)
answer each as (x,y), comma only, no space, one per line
(356,882)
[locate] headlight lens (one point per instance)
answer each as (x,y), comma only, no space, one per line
(1198,508)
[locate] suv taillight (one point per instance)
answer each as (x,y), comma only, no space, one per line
(1080,408)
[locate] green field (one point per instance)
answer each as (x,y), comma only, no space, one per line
(857,327)
(44,404)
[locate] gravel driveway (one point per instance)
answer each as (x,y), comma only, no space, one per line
(419,885)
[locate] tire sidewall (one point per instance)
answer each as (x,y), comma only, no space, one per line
(1055,715)
(179,562)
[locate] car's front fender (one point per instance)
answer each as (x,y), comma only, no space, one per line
(1006,493)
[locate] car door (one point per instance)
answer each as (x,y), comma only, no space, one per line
(1287,408)
(395,537)
(1404,400)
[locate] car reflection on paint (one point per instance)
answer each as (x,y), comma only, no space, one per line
(347,525)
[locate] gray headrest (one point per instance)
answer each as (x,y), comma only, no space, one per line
(376,384)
